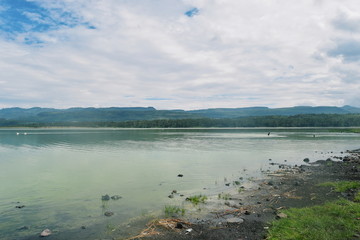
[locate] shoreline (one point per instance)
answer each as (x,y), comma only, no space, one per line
(248,214)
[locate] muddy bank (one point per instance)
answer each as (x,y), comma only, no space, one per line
(246,214)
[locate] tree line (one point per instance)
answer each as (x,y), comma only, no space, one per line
(302,120)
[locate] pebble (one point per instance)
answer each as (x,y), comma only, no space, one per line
(45,233)
(235,220)
(281,215)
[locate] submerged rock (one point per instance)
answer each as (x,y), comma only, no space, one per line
(105,198)
(116,197)
(47,232)
(108,213)
(23,228)
(180,175)
(20,206)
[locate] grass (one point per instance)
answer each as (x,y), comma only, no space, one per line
(337,220)
(197,199)
(341,186)
(357,197)
(237,183)
(174,210)
(225,196)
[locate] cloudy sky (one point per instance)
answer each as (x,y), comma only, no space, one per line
(187,54)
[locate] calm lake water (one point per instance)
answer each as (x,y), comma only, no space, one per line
(60,175)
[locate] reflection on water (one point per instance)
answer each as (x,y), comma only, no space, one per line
(59,175)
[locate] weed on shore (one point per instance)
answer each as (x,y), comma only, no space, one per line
(337,220)
(342,186)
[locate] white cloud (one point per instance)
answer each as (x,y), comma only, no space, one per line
(149,53)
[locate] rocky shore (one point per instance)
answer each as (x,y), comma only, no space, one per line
(247,214)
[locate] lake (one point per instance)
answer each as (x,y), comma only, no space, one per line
(55,178)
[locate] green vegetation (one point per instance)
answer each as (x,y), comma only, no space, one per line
(357,197)
(197,199)
(237,183)
(341,186)
(174,210)
(224,196)
(331,221)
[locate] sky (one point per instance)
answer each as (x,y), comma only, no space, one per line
(179,54)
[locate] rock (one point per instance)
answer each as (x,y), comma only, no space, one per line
(105,198)
(116,197)
(23,228)
(247,212)
(235,220)
(108,213)
(281,215)
(171,196)
(174,191)
(227,184)
(45,233)
(270,183)
(179,226)
(180,175)
(306,160)
(20,206)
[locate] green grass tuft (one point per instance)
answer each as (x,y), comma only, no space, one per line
(331,221)
(341,186)
(197,199)
(174,210)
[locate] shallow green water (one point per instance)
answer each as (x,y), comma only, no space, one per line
(61,174)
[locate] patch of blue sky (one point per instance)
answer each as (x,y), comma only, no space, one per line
(192,12)
(21,17)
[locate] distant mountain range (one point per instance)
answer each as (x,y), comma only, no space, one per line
(117,114)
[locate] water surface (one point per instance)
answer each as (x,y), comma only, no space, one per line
(61,174)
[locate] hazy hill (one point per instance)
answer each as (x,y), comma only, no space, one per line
(116,114)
